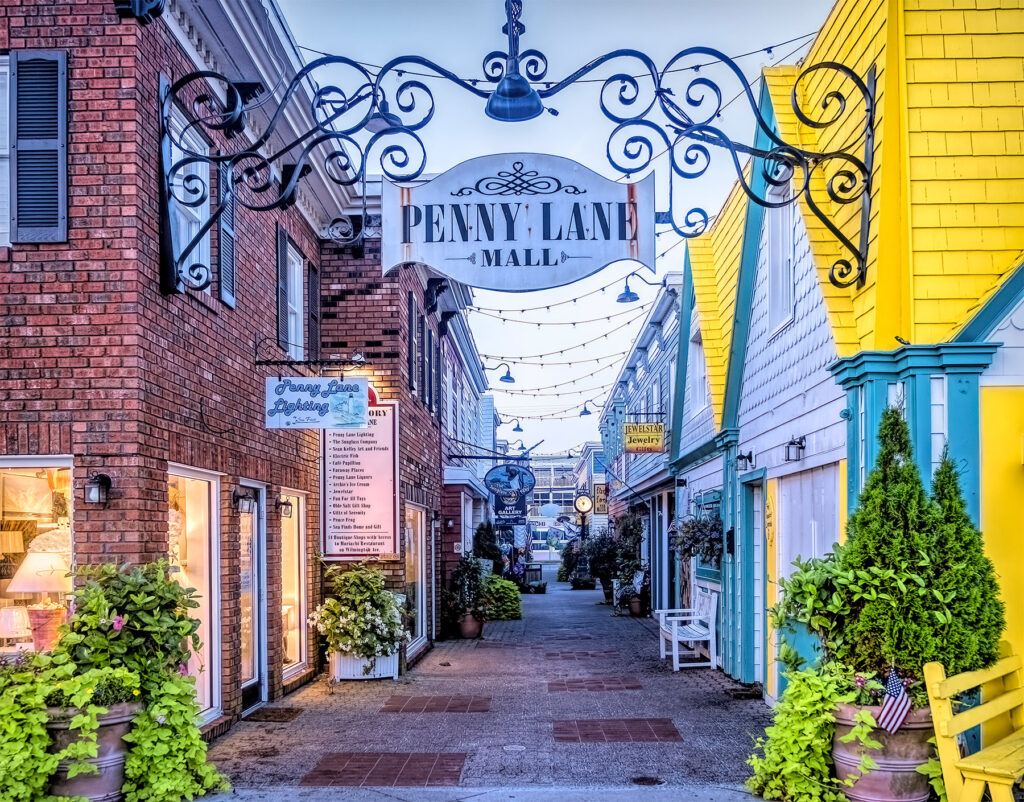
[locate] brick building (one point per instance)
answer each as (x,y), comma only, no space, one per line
(106,372)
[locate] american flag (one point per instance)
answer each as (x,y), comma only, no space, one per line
(896,706)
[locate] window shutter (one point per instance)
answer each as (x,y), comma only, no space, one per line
(39,135)
(438,367)
(314,312)
(411,360)
(428,366)
(226,241)
(282,288)
(421,327)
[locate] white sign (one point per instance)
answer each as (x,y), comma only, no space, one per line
(518,222)
(301,403)
(359,489)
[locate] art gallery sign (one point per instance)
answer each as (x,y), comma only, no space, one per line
(518,222)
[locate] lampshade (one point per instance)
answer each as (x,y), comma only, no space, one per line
(14,622)
(41,572)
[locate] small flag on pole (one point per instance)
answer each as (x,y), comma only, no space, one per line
(896,706)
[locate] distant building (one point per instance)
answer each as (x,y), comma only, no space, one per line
(590,479)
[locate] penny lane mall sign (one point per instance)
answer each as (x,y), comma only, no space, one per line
(518,222)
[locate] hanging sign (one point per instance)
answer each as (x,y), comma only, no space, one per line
(518,222)
(360,479)
(644,438)
(298,402)
(601,499)
(509,478)
(510,509)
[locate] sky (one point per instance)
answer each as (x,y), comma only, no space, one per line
(457,34)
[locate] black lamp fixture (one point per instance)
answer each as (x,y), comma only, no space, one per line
(795,449)
(507,378)
(747,460)
(245,502)
(97,489)
(517,428)
(382,119)
(627,296)
(284,507)
(585,410)
(513,100)
(520,443)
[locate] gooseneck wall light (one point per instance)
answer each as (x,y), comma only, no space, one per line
(517,428)
(627,296)
(507,378)
(585,410)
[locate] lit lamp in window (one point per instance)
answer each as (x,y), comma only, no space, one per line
(284,506)
(14,624)
(795,449)
(43,572)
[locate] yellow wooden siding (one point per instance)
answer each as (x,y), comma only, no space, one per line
(965,129)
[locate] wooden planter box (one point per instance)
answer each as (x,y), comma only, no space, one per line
(347,666)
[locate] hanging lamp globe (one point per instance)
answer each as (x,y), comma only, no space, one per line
(507,378)
(627,296)
(584,411)
(382,119)
(513,99)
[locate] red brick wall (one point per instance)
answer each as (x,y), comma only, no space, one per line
(367,313)
(98,363)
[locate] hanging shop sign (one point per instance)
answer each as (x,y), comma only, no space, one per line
(518,222)
(508,478)
(298,402)
(645,438)
(510,510)
(601,499)
(360,479)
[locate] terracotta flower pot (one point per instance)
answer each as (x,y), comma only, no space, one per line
(895,779)
(110,756)
(470,626)
(636,606)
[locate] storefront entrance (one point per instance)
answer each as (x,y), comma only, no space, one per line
(252,596)
(415,575)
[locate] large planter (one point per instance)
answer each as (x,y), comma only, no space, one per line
(895,779)
(354,666)
(636,606)
(110,755)
(470,626)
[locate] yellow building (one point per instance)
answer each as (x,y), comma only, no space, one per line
(935,323)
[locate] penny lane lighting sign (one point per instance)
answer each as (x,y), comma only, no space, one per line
(645,438)
(360,478)
(518,222)
(301,403)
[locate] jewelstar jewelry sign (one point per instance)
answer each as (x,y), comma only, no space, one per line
(308,403)
(518,222)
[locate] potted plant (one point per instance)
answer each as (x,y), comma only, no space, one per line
(468,591)
(601,554)
(698,536)
(911,585)
(361,622)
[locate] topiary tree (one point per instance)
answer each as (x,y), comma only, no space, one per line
(965,578)
(889,615)
(485,546)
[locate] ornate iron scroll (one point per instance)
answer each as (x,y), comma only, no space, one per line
(355,121)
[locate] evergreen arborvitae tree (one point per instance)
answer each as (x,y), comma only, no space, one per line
(891,530)
(485,545)
(966,578)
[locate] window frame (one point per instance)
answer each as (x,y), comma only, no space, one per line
(296,312)
(182,214)
(781,260)
(294,669)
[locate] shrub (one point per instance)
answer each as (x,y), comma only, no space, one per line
(501,599)
(468,588)
(485,546)
(602,555)
(698,537)
(563,574)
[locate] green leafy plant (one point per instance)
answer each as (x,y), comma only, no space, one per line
(795,763)
(602,556)
(563,572)
(932,769)
(502,599)
(485,545)
(359,617)
(138,618)
(698,537)
(468,588)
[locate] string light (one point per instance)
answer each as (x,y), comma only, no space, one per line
(551,415)
(598,388)
(564,383)
(564,322)
(549,84)
(547,364)
(567,348)
(614,283)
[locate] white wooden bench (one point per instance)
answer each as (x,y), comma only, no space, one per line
(691,627)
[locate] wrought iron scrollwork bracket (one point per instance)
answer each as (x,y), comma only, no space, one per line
(355,120)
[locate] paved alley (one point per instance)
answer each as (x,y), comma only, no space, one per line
(570,697)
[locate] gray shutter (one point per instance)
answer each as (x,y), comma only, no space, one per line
(226,241)
(39,152)
(428,360)
(411,361)
(314,312)
(421,328)
(282,288)
(437,375)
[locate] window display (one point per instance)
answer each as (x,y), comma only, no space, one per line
(293,581)
(35,555)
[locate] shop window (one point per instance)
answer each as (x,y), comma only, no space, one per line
(295,313)
(35,554)
(191,531)
(780,260)
(188,219)
(293,584)
(415,575)
(697,372)
(940,419)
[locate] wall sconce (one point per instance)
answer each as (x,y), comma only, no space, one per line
(97,489)
(747,460)
(284,506)
(244,502)
(795,449)
(450,523)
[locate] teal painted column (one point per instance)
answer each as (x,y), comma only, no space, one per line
(964,416)
(919,419)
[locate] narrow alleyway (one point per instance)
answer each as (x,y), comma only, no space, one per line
(570,697)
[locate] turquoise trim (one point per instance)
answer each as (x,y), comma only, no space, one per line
(682,353)
(694,455)
(748,268)
(995,309)
(745,537)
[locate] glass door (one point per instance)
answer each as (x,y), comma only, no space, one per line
(251,600)
(415,575)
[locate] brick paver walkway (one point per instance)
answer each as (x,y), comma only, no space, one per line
(502,713)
